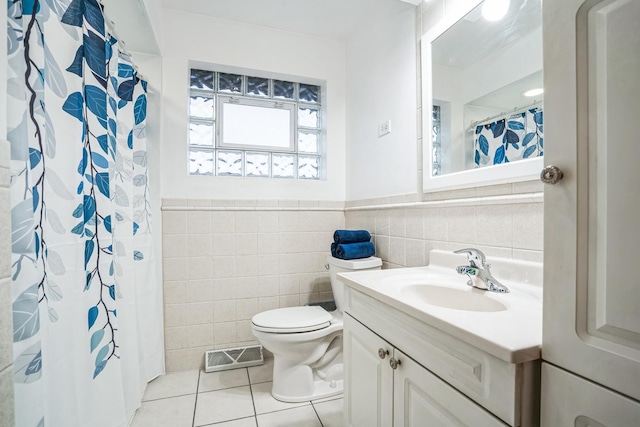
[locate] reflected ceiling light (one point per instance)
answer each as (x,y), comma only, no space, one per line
(534,92)
(494,10)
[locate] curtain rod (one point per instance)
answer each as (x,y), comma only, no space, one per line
(111,27)
(505,114)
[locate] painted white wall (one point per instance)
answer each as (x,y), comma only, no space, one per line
(154,14)
(132,24)
(451,87)
(381,85)
(189,37)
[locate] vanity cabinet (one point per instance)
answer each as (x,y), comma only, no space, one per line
(439,381)
(387,388)
(368,377)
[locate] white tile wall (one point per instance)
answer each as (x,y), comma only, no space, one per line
(225,261)
(512,230)
(228,265)
(6,318)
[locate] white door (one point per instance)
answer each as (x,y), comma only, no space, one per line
(595,407)
(592,216)
(422,399)
(368,378)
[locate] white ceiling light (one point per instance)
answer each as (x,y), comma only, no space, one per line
(495,10)
(534,92)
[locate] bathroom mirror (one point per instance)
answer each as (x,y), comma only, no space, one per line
(483,87)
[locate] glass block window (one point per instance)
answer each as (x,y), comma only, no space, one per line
(308,167)
(201,79)
(201,106)
(201,134)
(436,142)
(283,90)
(308,117)
(200,162)
(229,163)
(257,86)
(309,93)
(308,142)
(229,83)
(284,166)
(251,126)
(257,164)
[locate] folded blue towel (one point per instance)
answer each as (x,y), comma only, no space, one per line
(334,247)
(351,236)
(353,250)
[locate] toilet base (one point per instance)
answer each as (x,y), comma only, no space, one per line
(321,390)
(316,375)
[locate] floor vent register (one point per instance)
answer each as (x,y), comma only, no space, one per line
(232,358)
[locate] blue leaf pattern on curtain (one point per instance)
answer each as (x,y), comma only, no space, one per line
(508,140)
(80,213)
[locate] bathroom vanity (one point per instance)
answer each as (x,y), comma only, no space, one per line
(423,348)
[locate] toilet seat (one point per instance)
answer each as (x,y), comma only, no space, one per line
(292,320)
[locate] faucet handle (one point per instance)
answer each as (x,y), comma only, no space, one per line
(475,256)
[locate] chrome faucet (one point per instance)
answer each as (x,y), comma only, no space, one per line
(479,272)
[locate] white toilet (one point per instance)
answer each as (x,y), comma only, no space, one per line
(306,342)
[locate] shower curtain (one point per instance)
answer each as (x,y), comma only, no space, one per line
(86,302)
(516,137)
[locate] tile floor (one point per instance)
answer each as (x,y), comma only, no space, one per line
(235,398)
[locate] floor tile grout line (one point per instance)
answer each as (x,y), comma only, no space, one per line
(286,409)
(317,414)
(195,406)
(227,421)
(328,399)
(223,389)
(253,402)
(168,397)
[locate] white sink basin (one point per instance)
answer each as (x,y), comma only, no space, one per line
(455,299)
(506,325)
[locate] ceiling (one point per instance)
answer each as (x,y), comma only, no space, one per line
(130,24)
(505,98)
(474,38)
(333,19)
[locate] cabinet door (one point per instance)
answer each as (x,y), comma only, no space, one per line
(592,231)
(368,378)
(571,400)
(422,399)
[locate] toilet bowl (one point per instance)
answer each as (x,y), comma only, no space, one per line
(306,342)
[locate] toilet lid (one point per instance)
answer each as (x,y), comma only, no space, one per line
(292,320)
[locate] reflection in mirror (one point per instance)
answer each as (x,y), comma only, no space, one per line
(487,88)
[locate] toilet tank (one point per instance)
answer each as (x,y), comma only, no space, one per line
(336,265)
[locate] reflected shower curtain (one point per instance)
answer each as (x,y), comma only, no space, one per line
(515,137)
(87,322)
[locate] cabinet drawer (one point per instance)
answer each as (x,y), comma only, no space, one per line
(505,389)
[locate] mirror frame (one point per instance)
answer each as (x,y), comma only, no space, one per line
(522,170)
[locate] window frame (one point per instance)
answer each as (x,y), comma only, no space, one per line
(302,160)
(262,102)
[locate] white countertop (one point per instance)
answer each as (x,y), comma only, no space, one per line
(513,334)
